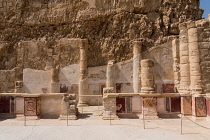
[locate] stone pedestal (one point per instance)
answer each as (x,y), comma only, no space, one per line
(149,108)
(186,105)
(68,106)
(109,105)
(199,107)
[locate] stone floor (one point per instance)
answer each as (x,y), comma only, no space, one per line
(90,126)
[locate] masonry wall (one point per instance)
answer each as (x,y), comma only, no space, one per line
(7,81)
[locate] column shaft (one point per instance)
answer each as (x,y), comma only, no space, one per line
(83,87)
(184,60)
(136,65)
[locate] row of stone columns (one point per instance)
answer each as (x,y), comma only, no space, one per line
(190,86)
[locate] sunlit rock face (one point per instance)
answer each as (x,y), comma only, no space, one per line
(35,33)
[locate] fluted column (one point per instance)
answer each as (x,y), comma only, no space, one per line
(83,87)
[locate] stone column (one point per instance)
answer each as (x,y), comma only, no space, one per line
(54,81)
(184,60)
(136,65)
(110,81)
(83,87)
(184,88)
(147,76)
(149,107)
(175,51)
(198,102)
(137,57)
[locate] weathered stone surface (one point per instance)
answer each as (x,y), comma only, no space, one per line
(199,106)
(149,108)
(186,105)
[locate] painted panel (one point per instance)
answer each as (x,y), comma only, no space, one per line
(176,104)
(101,87)
(4,104)
(30,106)
(200,104)
(168,88)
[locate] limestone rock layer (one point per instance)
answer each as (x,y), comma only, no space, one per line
(34,33)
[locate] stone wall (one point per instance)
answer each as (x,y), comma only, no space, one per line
(7,81)
(203,27)
(36,81)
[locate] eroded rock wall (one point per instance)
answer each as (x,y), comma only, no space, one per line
(35,33)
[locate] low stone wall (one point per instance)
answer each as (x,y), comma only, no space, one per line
(51,105)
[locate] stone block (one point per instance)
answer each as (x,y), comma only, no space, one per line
(191,24)
(182,26)
(186,105)
(149,108)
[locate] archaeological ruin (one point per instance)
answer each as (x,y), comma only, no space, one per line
(145,57)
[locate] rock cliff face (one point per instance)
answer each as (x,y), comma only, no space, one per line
(33,32)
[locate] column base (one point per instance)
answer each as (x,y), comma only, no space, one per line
(186,105)
(70,117)
(82,105)
(199,107)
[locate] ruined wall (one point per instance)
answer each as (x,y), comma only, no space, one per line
(203,27)
(7,81)
(36,81)
(110,27)
(163,63)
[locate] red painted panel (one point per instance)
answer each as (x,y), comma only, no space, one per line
(102,86)
(4,104)
(208,107)
(120,104)
(168,88)
(176,104)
